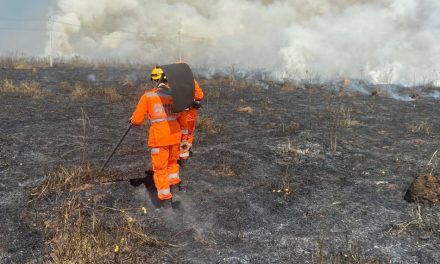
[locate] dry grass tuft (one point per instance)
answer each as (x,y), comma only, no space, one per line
(290,151)
(79,92)
(353,255)
(246,109)
(293,125)
(110,94)
(241,83)
(85,233)
(68,179)
(32,88)
(419,221)
(289,147)
(347,121)
(342,116)
(283,187)
(223,170)
(289,127)
(77,231)
(289,86)
(14,61)
(344,93)
(421,128)
(208,125)
(65,86)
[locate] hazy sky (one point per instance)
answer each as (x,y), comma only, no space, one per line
(23,26)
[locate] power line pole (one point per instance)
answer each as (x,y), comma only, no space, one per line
(179,35)
(50,39)
(180,45)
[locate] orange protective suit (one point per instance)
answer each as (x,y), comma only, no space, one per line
(191,118)
(164,137)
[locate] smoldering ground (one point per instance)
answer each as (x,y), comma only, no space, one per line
(281,173)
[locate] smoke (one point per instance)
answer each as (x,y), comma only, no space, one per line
(436,94)
(383,41)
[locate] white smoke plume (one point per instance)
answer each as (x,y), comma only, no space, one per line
(380,40)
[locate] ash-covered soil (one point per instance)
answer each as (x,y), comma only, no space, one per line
(346,159)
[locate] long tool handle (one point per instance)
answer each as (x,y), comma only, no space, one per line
(116,147)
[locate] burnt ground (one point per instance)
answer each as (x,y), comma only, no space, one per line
(347,199)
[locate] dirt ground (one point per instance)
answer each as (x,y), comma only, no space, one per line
(346,160)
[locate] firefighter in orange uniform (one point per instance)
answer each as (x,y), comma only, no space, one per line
(191,118)
(167,134)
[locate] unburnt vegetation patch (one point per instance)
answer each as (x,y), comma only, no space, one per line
(422,222)
(80,91)
(71,178)
(80,228)
(422,128)
(31,88)
(208,124)
(352,255)
(18,62)
(342,117)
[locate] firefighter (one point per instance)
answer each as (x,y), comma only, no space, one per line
(167,133)
(191,118)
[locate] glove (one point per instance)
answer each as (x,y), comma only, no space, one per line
(196,104)
(131,121)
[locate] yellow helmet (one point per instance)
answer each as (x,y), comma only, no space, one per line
(156,73)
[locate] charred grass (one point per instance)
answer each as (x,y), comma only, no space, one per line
(81,223)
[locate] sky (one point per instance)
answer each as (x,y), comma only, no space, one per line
(23,26)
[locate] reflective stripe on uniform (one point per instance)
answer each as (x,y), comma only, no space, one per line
(155,120)
(184,132)
(154,150)
(151,94)
(173,176)
(164,192)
